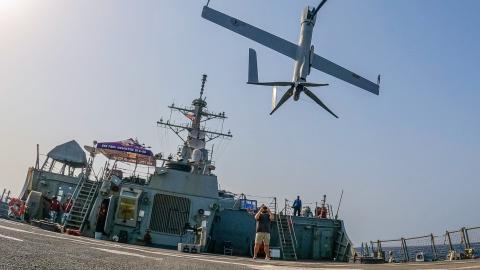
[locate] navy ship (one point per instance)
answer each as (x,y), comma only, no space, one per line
(171,201)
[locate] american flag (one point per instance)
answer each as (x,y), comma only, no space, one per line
(190,116)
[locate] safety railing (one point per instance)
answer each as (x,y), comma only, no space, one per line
(463,243)
(309,209)
(4,199)
(292,229)
(270,202)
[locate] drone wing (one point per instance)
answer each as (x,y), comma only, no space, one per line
(271,41)
(286,48)
(343,74)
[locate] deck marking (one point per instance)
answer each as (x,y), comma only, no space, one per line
(11,238)
(208,258)
(455,268)
(128,253)
(269,266)
(130,248)
(434,263)
(12,229)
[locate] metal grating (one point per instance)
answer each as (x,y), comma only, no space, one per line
(169,214)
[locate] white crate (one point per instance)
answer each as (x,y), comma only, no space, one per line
(275,253)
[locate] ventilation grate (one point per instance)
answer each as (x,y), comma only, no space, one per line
(169,214)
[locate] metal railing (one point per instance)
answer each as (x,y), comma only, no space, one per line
(312,206)
(292,230)
(463,243)
(270,202)
(4,199)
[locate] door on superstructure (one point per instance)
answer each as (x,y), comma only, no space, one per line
(63,191)
(326,245)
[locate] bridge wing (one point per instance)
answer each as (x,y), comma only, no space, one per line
(271,41)
(343,74)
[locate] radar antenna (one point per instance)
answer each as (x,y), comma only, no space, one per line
(315,11)
(195,134)
(204,79)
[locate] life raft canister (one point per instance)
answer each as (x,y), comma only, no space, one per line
(16,206)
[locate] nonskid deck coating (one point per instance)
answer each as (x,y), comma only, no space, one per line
(27,247)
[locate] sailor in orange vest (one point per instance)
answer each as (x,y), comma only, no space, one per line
(66,207)
(55,208)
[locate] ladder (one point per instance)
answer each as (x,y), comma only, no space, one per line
(342,247)
(286,236)
(83,198)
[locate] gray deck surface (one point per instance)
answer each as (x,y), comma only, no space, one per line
(26,247)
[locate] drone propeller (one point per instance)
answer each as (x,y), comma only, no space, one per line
(318,101)
(284,98)
(274,97)
(315,11)
(307,84)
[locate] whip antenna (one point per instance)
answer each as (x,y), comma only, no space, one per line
(318,8)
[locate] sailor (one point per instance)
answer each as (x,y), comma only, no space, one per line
(391,258)
(307,212)
(263,217)
(45,205)
(102,218)
(297,206)
(54,209)
(66,207)
(147,238)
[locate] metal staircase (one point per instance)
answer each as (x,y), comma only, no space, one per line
(342,247)
(286,235)
(83,198)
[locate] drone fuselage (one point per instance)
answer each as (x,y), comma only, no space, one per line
(305,51)
(302,53)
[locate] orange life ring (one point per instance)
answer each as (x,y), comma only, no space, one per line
(16,206)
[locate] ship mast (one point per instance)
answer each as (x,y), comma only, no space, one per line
(193,151)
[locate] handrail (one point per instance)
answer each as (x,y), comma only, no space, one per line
(279,225)
(91,194)
(293,229)
(462,241)
(75,193)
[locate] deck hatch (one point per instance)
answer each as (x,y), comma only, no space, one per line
(169,214)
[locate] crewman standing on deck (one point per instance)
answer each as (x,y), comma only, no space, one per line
(54,209)
(297,206)
(66,207)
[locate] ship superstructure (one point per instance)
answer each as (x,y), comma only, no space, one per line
(172,201)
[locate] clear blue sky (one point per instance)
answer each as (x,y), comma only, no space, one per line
(408,159)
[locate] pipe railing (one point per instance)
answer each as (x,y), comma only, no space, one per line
(464,242)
